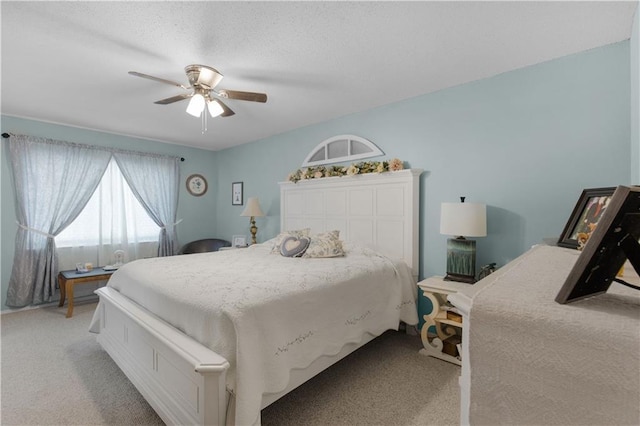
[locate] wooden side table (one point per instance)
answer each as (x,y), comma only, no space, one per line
(442,316)
(67,279)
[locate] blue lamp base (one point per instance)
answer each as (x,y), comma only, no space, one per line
(461,260)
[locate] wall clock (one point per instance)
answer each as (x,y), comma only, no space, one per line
(196,185)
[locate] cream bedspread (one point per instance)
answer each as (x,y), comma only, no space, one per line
(536,362)
(268,314)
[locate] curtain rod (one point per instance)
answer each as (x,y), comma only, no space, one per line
(8,135)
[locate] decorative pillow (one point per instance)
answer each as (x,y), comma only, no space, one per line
(326,244)
(293,246)
(298,233)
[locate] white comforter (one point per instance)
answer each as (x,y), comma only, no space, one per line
(268,314)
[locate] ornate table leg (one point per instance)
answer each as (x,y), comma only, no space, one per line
(434,347)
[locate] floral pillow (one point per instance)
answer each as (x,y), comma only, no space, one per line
(326,244)
(298,233)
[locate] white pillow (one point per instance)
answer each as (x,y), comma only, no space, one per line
(326,244)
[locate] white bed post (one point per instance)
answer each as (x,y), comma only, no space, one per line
(214,396)
(463,303)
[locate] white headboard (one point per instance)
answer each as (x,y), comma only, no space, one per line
(379,210)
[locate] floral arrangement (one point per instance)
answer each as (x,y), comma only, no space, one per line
(360,168)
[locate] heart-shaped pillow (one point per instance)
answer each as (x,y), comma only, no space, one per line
(293,246)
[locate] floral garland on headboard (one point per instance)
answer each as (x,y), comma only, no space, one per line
(354,169)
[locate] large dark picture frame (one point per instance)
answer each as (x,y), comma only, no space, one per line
(613,242)
(585,216)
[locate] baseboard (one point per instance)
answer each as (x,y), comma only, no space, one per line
(90,298)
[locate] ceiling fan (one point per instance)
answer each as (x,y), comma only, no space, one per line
(202,83)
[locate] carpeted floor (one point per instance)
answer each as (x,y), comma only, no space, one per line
(54,373)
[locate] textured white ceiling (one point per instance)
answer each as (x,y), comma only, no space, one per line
(67,62)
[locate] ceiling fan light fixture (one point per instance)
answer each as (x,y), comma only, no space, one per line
(202,83)
(215,109)
(208,77)
(196,105)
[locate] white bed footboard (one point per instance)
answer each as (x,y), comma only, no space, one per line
(184,381)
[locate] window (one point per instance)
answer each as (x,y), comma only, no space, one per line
(113,219)
(341,148)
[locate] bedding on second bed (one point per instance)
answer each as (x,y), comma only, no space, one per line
(268,314)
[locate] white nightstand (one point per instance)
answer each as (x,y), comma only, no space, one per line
(445,318)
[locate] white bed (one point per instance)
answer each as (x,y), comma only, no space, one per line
(279,338)
(529,360)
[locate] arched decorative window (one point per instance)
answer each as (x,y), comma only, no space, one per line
(341,148)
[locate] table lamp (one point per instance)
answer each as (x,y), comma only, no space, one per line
(252,210)
(460,220)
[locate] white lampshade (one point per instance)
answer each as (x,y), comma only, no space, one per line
(463,219)
(215,109)
(196,105)
(253,208)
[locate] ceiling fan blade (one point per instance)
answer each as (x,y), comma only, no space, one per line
(243,96)
(174,99)
(161,80)
(227,111)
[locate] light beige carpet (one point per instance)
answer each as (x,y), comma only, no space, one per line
(54,373)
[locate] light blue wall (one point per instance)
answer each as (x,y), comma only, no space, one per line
(198,214)
(525,143)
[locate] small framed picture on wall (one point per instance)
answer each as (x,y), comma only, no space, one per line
(236,194)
